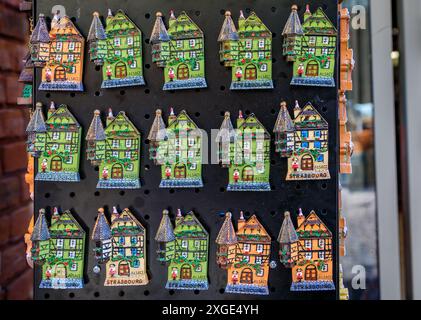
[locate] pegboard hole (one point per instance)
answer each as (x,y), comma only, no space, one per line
(147,66)
(273,111)
(47,195)
(197,13)
(97,93)
(247,112)
(46,296)
(273,34)
(324,109)
(247,214)
(96,294)
(71,295)
(122,92)
(122,193)
(172,191)
(147,91)
(96,168)
(273,60)
(222,189)
(197,90)
(97,193)
(97,68)
(196,190)
(147,216)
(147,141)
(248,10)
(171,292)
(73,94)
(197,114)
(222,88)
(297,186)
(196,292)
(273,213)
(147,167)
(272,289)
(147,116)
(147,15)
(146,192)
(324,186)
(73,19)
(222,12)
(121,293)
(147,41)
(72,194)
(146,292)
(273,9)
(48,95)
(222,291)
(324,212)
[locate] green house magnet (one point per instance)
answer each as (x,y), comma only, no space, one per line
(118,49)
(116,150)
(245,151)
(56,144)
(179,51)
(177,149)
(311,47)
(60,250)
(185,250)
(247,51)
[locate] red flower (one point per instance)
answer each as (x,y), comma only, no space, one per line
(50,152)
(65,263)
(243,60)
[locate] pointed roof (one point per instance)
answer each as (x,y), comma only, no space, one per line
(309,111)
(253,23)
(102,230)
(120,119)
(287,234)
(27,72)
(126,216)
(293,25)
(40,32)
(182,114)
(227,235)
(284,122)
(96,130)
(313,223)
(116,20)
(65,26)
(246,123)
(37,121)
(253,227)
(226,133)
(63,112)
(183,27)
(228,30)
(96,30)
(158,131)
(40,231)
(165,231)
(65,223)
(318,23)
(159,31)
(194,226)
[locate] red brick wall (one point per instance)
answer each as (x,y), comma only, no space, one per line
(15,204)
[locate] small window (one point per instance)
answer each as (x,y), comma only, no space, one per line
(317,134)
(59,243)
(246,145)
(248,44)
(193,54)
(184,244)
(246,259)
(73,267)
(56,135)
(134,251)
(68,136)
(305,145)
(59,46)
(193,166)
(326,65)
(261,43)
(130,41)
(117,52)
(320,158)
(192,43)
(312,50)
(264,67)
(117,42)
(196,66)
(72,243)
(122,240)
(312,40)
(246,247)
(198,268)
(248,55)
(190,154)
(325,51)
(324,268)
(197,244)
(130,52)
(116,143)
(260,272)
(59,254)
(133,64)
(184,254)
(259,260)
(115,154)
(69,160)
(70,57)
(325,40)
(259,145)
(321,255)
(67,147)
(122,251)
(307,244)
(259,248)
(128,143)
(128,154)
(180,54)
(309,255)
(58,57)
(133,240)
(304,134)
(130,167)
(191,142)
(317,145)
(261,55)
(72,254)
(179,43)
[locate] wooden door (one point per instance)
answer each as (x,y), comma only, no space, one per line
(60,271)
(248,174)
(185,272)
(307,162)
(124,269)
(60,74)
(120,70)
(182,72)
(312,69)
(180,171)
(56,164)
(311,273)
(117,171)
(251,72)
(246,276)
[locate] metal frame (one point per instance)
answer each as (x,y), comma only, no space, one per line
(385,146)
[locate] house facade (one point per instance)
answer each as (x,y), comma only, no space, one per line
(118,49)
(247,51)
(185,250)
(63,70)
(60,250)
(56,144)
(177,148)
(246,152)
(312,48)
(245,255)
(116,150)
(304,141)
(39,42)
(179,51)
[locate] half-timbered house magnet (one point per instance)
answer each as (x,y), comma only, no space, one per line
(39,42)
(304,141)
(60,250)
(248,52)
(246,152)
(177,148)
(185,250)
(56,144)
(245,255)
(115,150)
(307,250)
(63,68)
(122,247)
(179,51)
(311,47)
(118,49)
(26,77)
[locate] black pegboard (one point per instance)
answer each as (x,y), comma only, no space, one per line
(206,107)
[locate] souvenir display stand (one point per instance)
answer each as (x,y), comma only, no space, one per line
(207,108)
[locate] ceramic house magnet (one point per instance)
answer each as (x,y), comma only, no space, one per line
(245,255)
(307,250)
(26,77)
(39,43)
(56,144)
(179,51)
(122,247)
(59,250)
(311,47)
(63,69)
(116,150)
(248,52)
(177,149)
(185,250)
(118,49)
(245,151)
(304,141)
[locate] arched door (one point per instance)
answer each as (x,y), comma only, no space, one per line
(248,174)
(180,171)
(182,72)
(60,74)
(120,70)
(117,171)
(124,269)
(56,164)
(311,273)
(251,72)
(185,272)
(60,271)
(312,69)
(307,162)
(246,276)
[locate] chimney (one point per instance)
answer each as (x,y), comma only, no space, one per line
(55,20)
(172,116)
(241,20)
(55,217)
(240,119)
(110,116)
(297,109)
(307,14)
(172,19)
(115,214)
(51,110)
(179,216)
(241,221)
(300,218)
